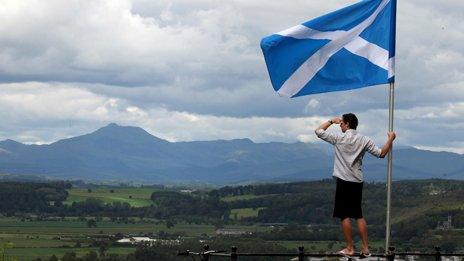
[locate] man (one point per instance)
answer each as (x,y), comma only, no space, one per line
(349,151)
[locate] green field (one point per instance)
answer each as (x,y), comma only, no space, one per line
(30,253)
(240,213)
(313,246)
(136,197)
(243,197)
(32,239)
(41,236)
(324,246)
(13,226)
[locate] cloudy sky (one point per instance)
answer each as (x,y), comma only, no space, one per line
(193,70)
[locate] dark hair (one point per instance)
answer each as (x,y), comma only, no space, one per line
(351,119)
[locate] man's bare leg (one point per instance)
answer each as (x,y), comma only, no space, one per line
(362,228)
(346,228)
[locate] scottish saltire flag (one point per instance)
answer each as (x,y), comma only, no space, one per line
(350,48)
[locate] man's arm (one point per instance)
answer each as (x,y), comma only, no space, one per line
(326,124)
(322,134)
(388,145)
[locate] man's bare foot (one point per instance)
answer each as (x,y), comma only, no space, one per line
(346,252)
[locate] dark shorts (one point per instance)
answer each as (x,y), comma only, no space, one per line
(348,198)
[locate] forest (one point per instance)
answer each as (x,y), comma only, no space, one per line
(278,216)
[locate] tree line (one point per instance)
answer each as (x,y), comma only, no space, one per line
(418,206)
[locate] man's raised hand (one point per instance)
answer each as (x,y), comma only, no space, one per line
(336,120)
(391,135)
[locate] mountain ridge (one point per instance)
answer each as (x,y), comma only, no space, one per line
(128,153)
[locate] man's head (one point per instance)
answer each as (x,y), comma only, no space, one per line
(349,121)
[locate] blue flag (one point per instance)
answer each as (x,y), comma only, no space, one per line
(350,48)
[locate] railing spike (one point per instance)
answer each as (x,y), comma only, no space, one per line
(437,253)
(233,254)
(301,253)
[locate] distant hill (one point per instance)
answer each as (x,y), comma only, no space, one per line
(119,153)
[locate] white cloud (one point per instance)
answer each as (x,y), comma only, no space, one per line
(104,41)
(312,105)
(45,112)
(459,150)
(77,111)
(195,71)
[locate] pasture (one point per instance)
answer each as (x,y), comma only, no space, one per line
(244,197)
(136,197)
(32,239)
(240,213)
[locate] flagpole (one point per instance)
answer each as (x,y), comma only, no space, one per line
(389,166)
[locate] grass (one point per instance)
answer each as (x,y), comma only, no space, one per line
(239,213)
(136,197)
(243,197)
(32,239)
(30,253)
(75,227)
(434,204)
(313,246)
(324,246)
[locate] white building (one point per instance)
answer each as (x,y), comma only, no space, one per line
(147,240)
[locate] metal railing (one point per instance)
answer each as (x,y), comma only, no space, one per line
(301,254)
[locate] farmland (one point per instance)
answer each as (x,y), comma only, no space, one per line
(32,239)
(136,197)
(40,220)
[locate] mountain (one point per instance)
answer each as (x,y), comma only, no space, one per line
(121,153)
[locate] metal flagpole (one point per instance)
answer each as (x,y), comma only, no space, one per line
(389,166)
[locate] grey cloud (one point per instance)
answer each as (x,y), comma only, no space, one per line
(42,113)
(245,100)
(103,42)
(208,45)
(202,58)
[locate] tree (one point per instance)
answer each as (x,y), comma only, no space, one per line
(170,223)
(4,247)
(145,253)
(69,256)
(103,247)
(330,245)
(91,256)
(91,223)
(218,224)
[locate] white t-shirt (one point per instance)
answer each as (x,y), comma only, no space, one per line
(349,152)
